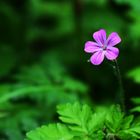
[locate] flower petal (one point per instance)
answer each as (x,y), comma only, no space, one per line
(97,58)
(100,37)
(112,53)
(113,39)
(91,47)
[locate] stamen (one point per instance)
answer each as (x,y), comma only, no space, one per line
(104,47)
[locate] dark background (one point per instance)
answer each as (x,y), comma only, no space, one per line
(43,63)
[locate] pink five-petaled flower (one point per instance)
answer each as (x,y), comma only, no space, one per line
(103,47)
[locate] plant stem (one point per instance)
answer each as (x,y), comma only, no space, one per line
(121,96)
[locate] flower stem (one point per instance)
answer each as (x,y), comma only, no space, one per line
(120,95)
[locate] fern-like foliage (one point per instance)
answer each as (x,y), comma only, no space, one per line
(120,126)
(81,119)
(80,122)
(46,83)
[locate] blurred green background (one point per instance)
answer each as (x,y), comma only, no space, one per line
(42,62)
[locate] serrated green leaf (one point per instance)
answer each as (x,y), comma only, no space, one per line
(120,126)
(81,120)
(127,122)
(127,135)
(135,129)
(50,132)
(114,118)
(131,133)
(96,122)
(76,115)
(98,136)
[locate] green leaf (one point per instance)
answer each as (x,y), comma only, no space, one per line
(114,119)
(134,4)
(120,126)
(136,100)
(75,115)
(134,74)
(50,132)
(97,121)
(127,122)
(98,136)
(130,134)
(135,109)
(81,123)
(127,135)
(81,119)
(135,129)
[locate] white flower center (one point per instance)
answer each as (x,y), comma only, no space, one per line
(104,47)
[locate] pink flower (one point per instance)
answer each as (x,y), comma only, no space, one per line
(103,47)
